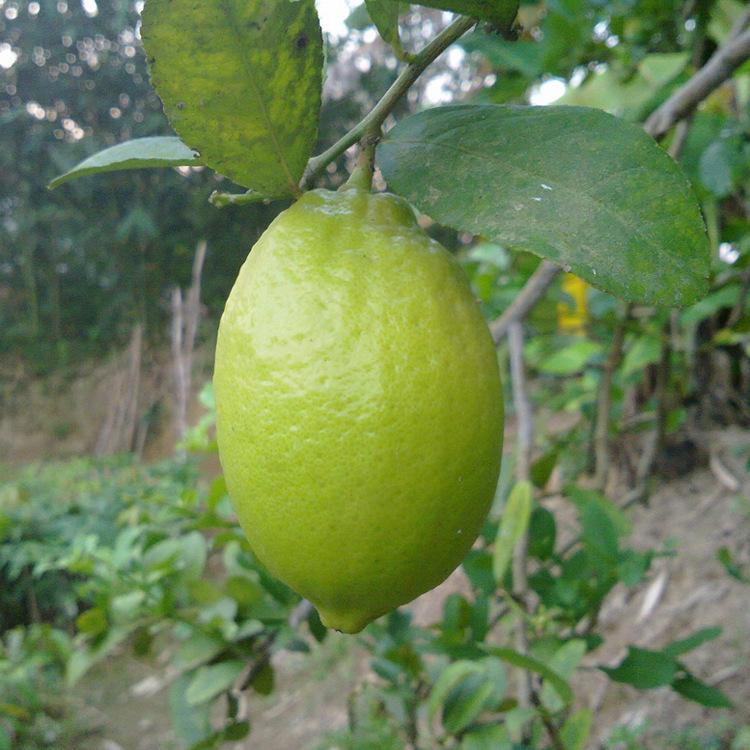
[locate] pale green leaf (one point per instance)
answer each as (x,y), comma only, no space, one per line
(251,103)
(564,661)
(159,151)
(499,12)
(575,731)
(513,525)
(208,682)
(571,184)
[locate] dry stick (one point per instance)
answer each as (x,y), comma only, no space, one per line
(604,404)
(534,289)
(717,70)
(525,431)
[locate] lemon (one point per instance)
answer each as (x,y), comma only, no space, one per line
(359,405)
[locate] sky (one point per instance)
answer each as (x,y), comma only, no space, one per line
(333,13)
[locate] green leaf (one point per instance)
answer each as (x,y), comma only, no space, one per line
(542,468)
(575,731)
(264,682)
(533,665)
(697,691)
(208,682)
(513,526)
(677,648)
(564,661)
(468,701)
(191,723)
(571,359)
(502,13)
(644,669)
(6,741)
(450,678)
(384,15)
(724,556)
(490,737)
(571,184)
(251,104)
(159,151)
(542,534)
(198,649)
(92,621)
(725,297)
(645,350)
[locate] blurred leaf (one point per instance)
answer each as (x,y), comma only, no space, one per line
(564,662)
(6,741)
(198,649)
(499,12)
(465,704)
(491,737)
(533,665)
(575,731)
(721,165)
(571,359)
(238,112)
(208,682)
(478,568)
(699,692)
(513,525)
(264,681)
(92,622)
(725,297)
(191,723)
(644,669)
(677,648)
(571,184)
(724,556)
(450,678)
(158,151)
(542,468)
(542,534)
(645,350)
(384,14)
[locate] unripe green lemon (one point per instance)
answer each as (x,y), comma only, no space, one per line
(359,406)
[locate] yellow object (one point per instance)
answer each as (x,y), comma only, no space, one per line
(359,405)
(575,318)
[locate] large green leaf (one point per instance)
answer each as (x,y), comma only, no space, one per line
(499,12)
(571,184)
(384,14)
(695,690)
(250,105)
(159,151)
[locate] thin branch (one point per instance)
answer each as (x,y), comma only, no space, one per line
(718,69)
(263,655)
(383,108)
(525,432)
(604,404)
(536,287)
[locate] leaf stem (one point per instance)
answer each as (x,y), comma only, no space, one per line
(383,108)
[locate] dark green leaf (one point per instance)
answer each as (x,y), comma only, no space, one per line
(264,681)
(466,703)
(572,184)
(478,567)
(158,151)
(542,468)
(698,691)
(251,108)
(677,648)
(542,534)
(490,737)
(644,669)
(724,556)
(384,14)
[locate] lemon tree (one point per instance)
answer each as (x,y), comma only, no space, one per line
(359,405)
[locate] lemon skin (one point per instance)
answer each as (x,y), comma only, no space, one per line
(359,405)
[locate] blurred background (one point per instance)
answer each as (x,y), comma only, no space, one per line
(111,288)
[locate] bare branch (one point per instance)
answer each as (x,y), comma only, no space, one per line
(717,70)
(535,288)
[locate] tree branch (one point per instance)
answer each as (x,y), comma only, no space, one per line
(376,117)
(717,70)
(535,288)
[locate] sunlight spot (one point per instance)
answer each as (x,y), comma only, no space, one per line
(547,92)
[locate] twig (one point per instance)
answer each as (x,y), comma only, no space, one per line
(604,404)
(717,70)
(383,108)
(525,432)
(552,731)
(739,307)
(534,289)
(263,655)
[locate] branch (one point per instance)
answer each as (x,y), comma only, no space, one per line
(535,288)
(372,121)
(717,70)
(525,432)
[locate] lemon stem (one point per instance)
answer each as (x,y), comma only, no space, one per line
(361,176)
